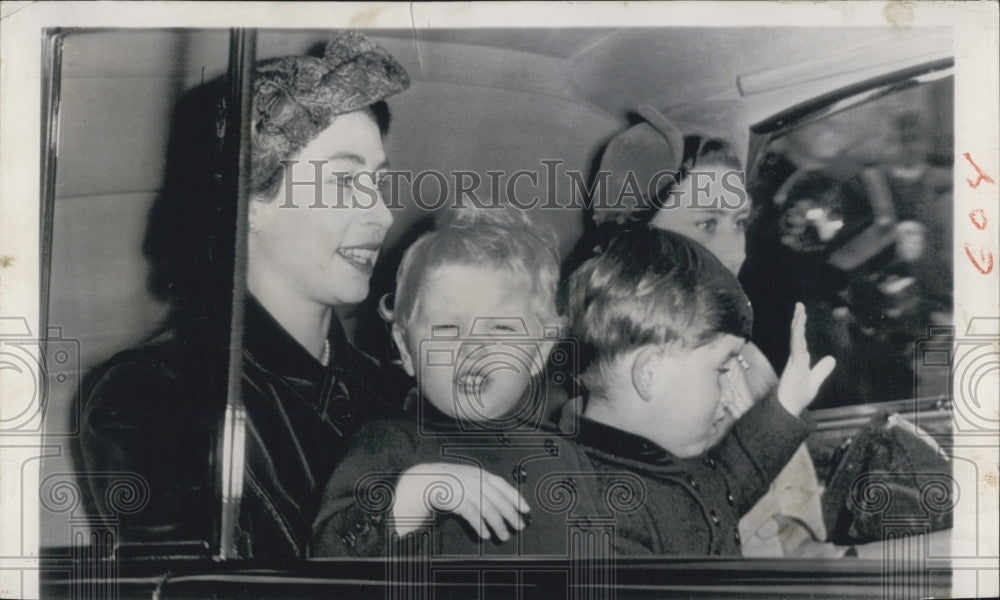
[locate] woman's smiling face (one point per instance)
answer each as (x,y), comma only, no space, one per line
(320,241)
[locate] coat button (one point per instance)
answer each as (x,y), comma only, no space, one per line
(503,438)
(551,447)
(692,482)
(736,536)
(712,462)
(519,474)
(714,516)
(730,499)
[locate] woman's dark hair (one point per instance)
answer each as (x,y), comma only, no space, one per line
(191,227)
(383,118)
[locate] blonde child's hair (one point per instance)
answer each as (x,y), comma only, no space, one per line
(501,238)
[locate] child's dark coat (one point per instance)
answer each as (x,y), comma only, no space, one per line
(602,486)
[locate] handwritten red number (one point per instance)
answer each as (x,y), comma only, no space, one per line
(986,265)
(981,176)
(978,218)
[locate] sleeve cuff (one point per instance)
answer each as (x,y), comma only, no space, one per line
(768,436)
(768,424)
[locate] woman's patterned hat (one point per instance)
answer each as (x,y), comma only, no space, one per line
(296,97)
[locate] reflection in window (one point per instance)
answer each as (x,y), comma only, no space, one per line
(855,220)
(121,93)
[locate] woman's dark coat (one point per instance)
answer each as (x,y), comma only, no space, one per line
(155,411)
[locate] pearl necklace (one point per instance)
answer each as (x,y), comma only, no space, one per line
(324,357)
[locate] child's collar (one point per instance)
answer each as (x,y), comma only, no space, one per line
(622,444)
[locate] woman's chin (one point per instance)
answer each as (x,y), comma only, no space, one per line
(347,294)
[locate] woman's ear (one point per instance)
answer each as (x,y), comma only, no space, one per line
(644,367)
(404,353)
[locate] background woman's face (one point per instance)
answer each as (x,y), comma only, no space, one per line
(321,242)
(711,206)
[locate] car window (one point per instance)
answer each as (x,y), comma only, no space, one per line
(854,218)
(111,290)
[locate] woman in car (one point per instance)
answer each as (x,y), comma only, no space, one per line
(156,410)
(694,185)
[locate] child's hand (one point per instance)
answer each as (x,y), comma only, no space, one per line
(485,501)
(799,383)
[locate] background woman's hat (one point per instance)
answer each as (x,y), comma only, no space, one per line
(653,146)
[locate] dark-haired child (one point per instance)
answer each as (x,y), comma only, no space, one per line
(660,323)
